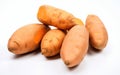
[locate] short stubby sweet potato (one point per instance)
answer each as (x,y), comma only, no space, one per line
(75,45)
(51,42)
(97,31)
(26,38)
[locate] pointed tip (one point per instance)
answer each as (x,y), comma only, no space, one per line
(43,51)
(13,45)
(67,63)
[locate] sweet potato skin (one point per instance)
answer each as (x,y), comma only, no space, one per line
(97,31)
(75,45)
(51,42)
(61,19)
(26,38)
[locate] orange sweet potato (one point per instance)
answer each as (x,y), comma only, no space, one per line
(51,42)
(61,19)
(75,45)
(97,31)
(26,38)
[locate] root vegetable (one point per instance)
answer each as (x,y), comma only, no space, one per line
(75,45)
(51,42)
(26,38)
(97,31)
(61,19)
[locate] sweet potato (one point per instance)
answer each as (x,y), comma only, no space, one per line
(51,42)
(97,31)
(26,38)
(75,45)
(61,19)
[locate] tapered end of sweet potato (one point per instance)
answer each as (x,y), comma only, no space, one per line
(42,14)
(46,52)
(13,46)
(68,64)
(43,51)
(77,21)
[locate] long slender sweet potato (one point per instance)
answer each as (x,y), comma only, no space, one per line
(97,31)
(51,42)
(26,38)
(75,45)
(50,15)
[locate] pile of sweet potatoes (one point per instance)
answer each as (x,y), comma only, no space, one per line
(70,39)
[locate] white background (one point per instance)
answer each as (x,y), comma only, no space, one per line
(17,13)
